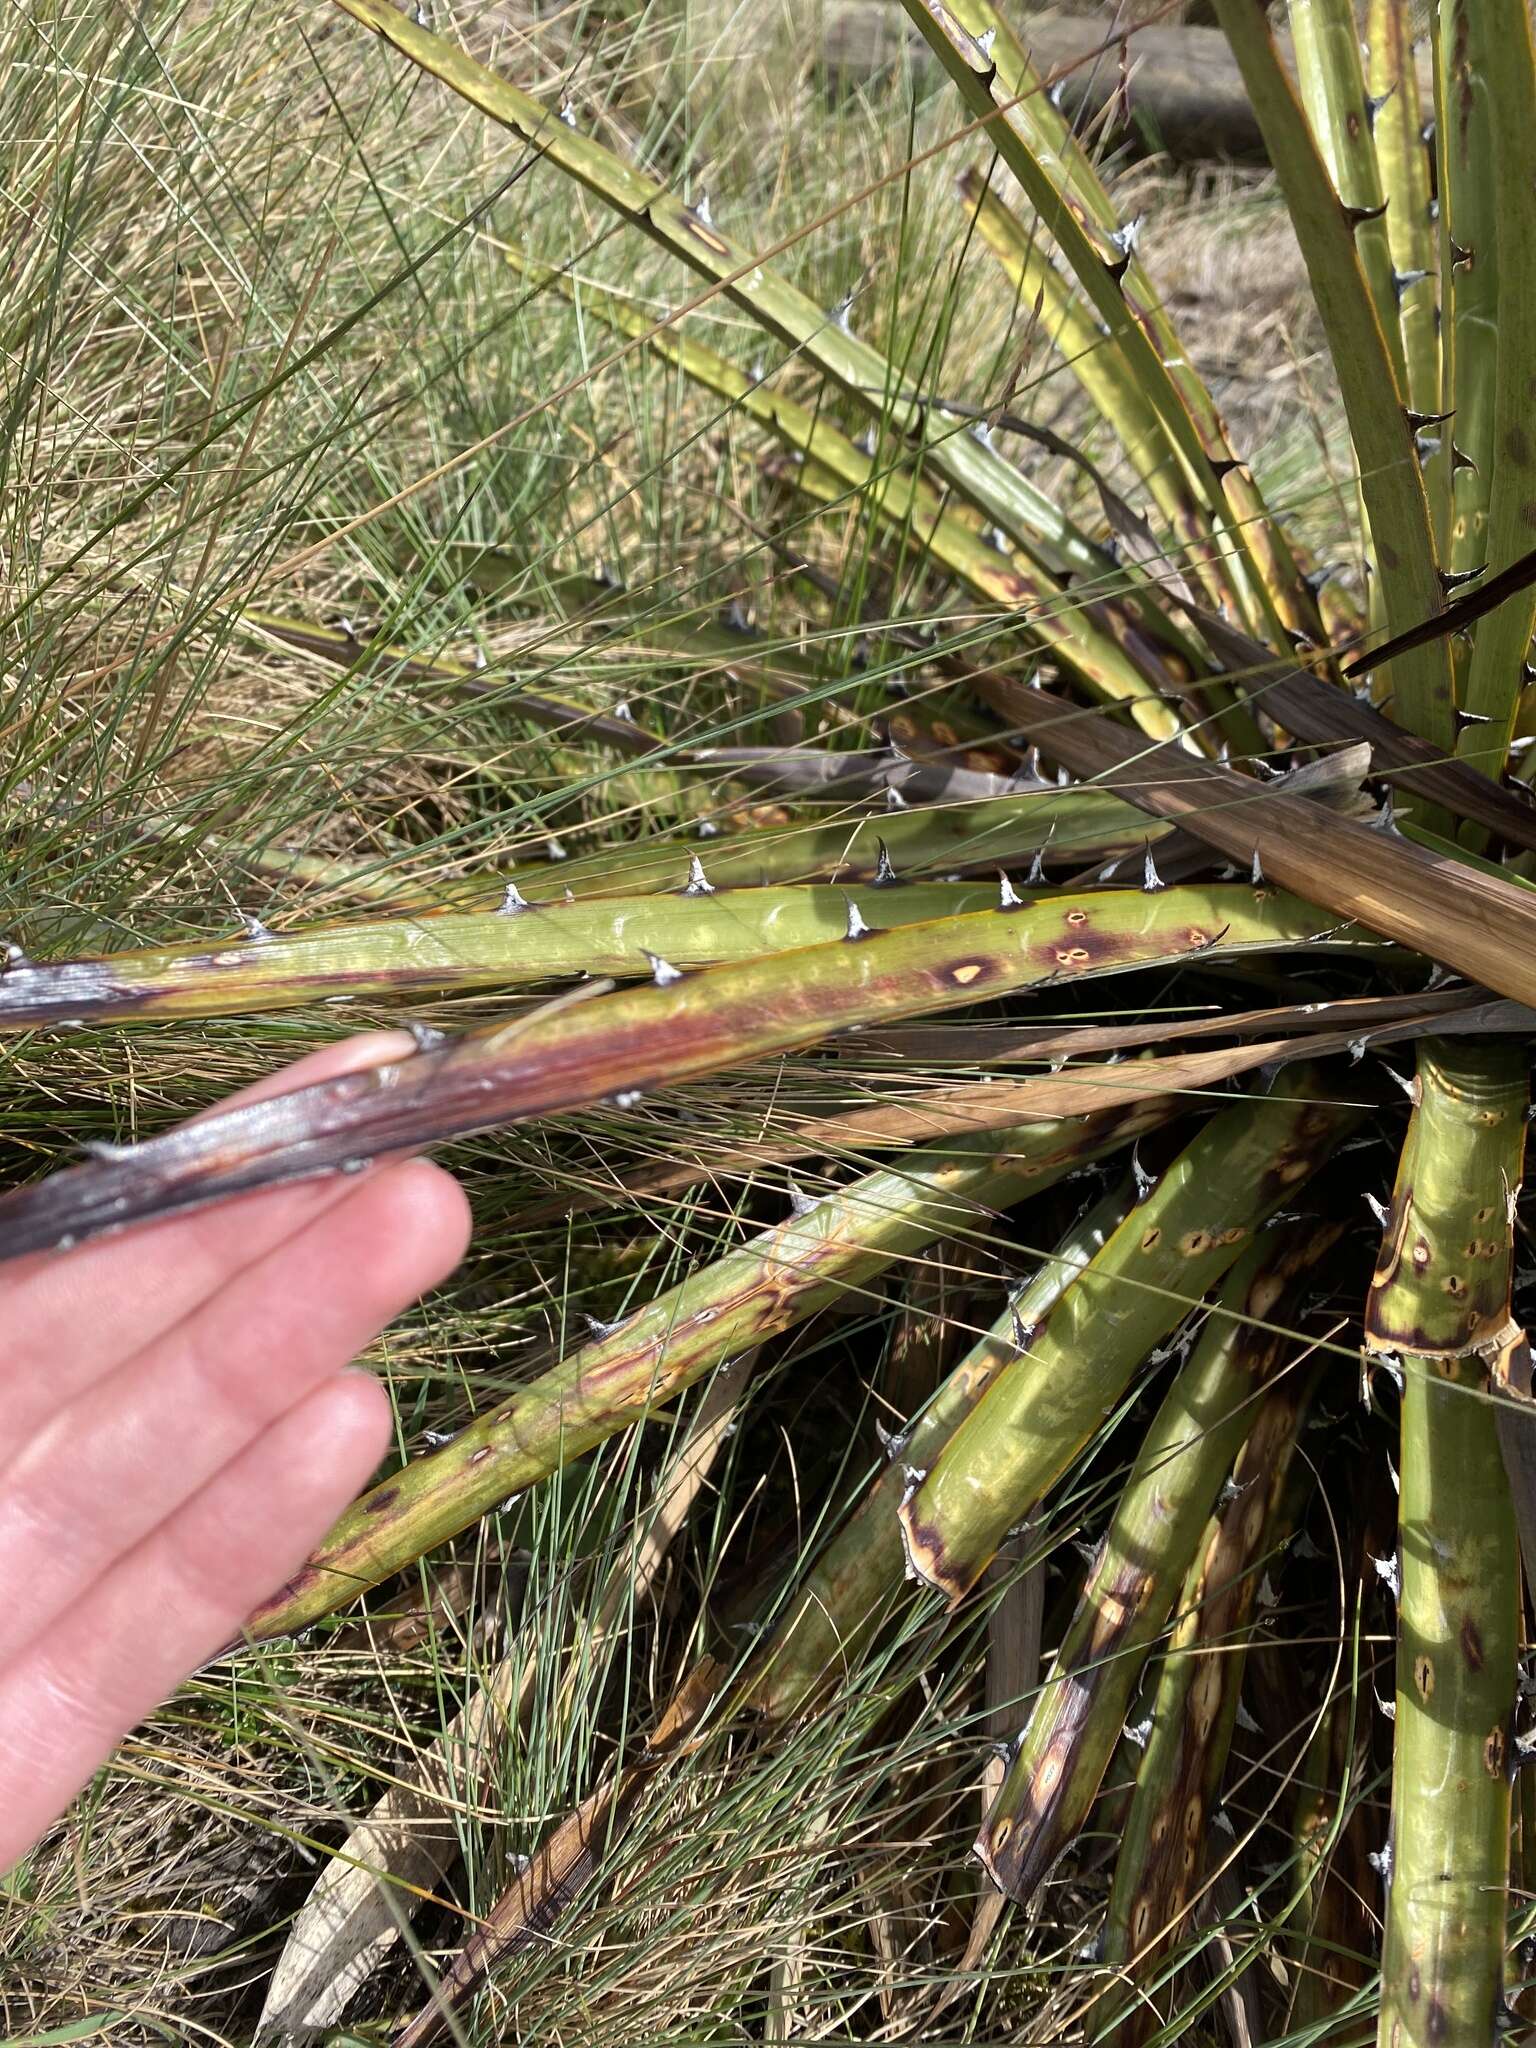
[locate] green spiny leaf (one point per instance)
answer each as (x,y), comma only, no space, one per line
(1151,1272)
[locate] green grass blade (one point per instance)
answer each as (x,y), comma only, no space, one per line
(782,1276)
(1391,485)
(1440,1300)
(564,1865)
(1154,1269)
(1059,1763)
(1331,1933)
(635,1041)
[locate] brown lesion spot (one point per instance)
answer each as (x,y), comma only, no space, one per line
(1077,917)
(1152,1238)
(1471,1643)
(376,1503)
(1424,1676)
(1494,1753)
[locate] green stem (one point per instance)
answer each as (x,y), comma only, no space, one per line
(1172,1247)
(1440,1299)
(1055,1773)
(456,950)
(1390,483)
(1442,1970)
(849,1589)
(1326,38)
(1392,80)
(778,1279)
(1491,115)
(1163,1850)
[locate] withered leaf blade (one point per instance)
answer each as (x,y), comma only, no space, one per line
(1464,917)
(991,1105)
(1317,711)
(1460,613)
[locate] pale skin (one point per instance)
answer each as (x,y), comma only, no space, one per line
(181,1424)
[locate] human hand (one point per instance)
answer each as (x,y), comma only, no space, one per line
(178,1429)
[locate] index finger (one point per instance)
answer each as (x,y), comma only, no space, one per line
(81,1310)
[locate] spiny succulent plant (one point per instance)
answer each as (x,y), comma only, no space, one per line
(1240,772)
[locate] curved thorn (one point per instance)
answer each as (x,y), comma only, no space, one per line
(663,973)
